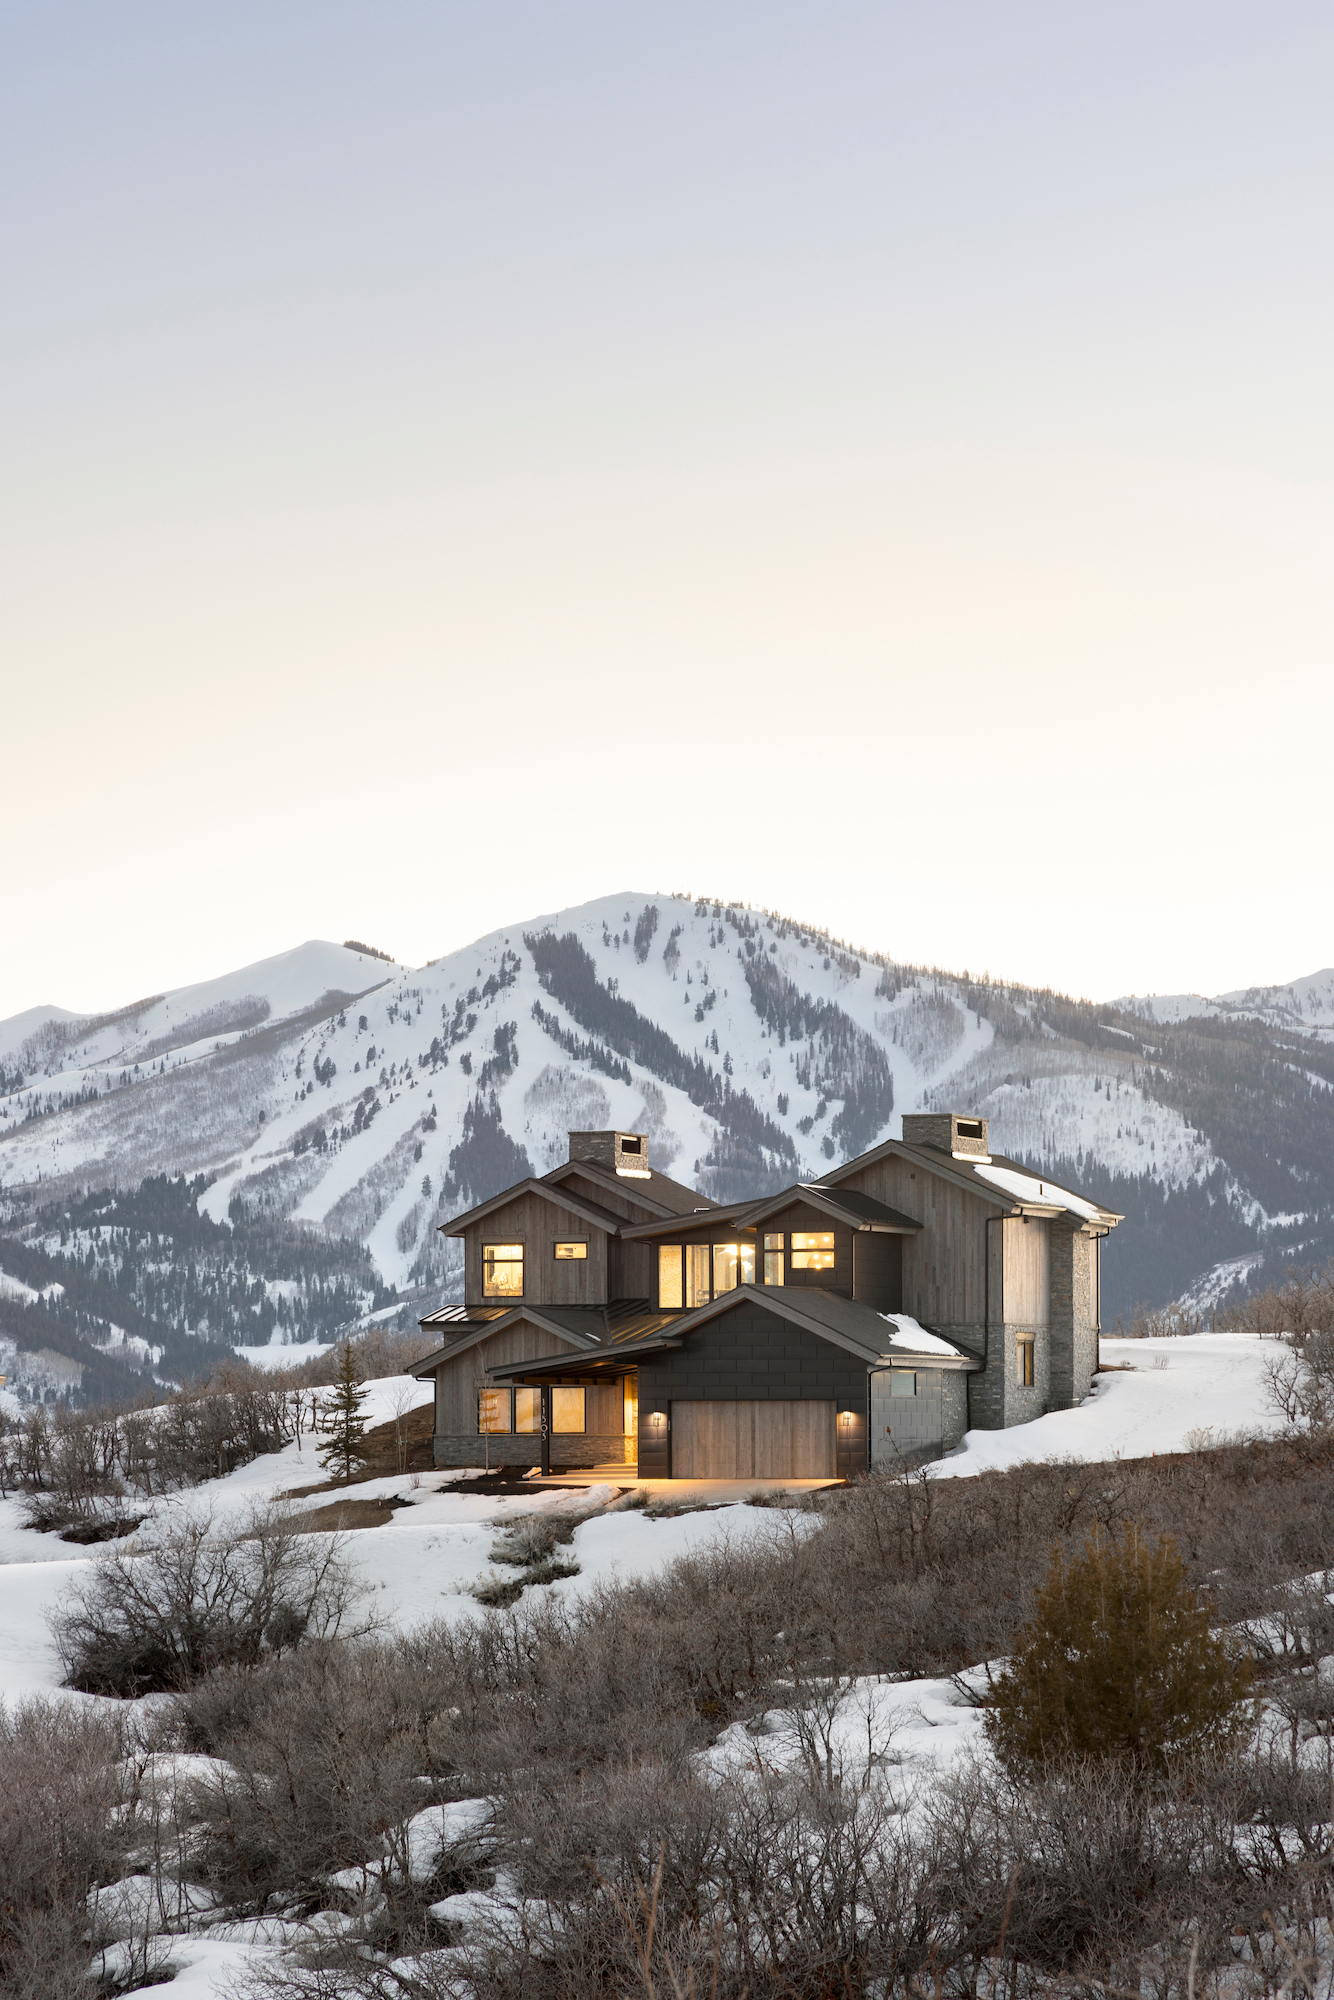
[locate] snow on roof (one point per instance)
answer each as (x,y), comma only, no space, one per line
(1027,1187)
(914,1339)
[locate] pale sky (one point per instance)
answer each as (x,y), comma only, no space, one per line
(873,462)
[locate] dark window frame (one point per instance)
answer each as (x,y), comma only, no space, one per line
(506,1243)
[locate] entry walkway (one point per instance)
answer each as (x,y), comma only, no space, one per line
(723,1491)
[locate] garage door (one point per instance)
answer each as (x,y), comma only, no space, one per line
(759,1440)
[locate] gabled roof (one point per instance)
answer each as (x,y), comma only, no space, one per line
(600,1218)
(878,1339)
(859,1211)
(652,1189)
(1003,1182)
(586,1328)
(732,1214)
(848,1323)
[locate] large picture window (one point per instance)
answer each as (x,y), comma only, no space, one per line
(699,1288)
(567,1410)
(812,1249)
(698,1272)
(733,1265)
(493,1411)
(502,1270)
(773,1259)
(528,1410)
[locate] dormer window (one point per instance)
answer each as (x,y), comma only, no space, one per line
(502,1270)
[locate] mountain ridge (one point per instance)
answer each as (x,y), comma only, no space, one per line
(352,1102)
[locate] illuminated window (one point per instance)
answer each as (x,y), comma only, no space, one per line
(493,1410)
(527,1409)
(813,1250)
(902,1382)
(631,1406)
(567,1410)
(698,1292)
(669,1276)
(1024,1355)
(575,1251)
(773,1259)
(502,1270)
(733,1265)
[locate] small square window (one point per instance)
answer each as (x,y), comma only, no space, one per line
(575,1251)
(902,1382)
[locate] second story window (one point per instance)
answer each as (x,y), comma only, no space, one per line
(773,1259)
(669,1276)
(812,1249)
(733,1265)
(502,1270)
(576,1252)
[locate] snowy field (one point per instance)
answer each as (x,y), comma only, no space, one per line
(422,1563)
(1161,1397)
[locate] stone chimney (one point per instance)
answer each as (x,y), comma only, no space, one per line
(623,1153)
(947,1132)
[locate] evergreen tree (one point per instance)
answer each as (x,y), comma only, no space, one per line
(1118,1666)
(345,1449)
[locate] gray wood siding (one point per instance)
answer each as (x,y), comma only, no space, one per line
(1027,1279)
(877,1270)
(457,1383)
(944,1265)
(539,1225)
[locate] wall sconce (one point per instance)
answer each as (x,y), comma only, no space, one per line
(845,1416)
(657,1417)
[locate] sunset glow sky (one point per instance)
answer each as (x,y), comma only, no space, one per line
(875,462)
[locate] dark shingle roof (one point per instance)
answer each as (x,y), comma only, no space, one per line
(860,1211)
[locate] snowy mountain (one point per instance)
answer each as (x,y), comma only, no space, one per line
(330,1107)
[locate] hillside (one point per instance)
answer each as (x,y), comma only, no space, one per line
(329,1108)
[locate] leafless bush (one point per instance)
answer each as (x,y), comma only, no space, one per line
(156,1618)
(1302,1305)
(1300,1380)
(60,1834)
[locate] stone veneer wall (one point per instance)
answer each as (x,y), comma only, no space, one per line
(1074,1340)
(569,1450)
(920,1427)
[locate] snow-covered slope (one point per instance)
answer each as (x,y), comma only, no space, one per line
(1306,1004)
(369,1100)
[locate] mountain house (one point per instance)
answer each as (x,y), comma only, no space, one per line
(613,1318)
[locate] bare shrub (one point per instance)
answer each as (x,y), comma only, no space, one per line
(1300,1380)
(60,1835)
(145,1620)
(329,1753)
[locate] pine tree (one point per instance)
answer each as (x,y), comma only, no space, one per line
(1117,1666)
(345,1449)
